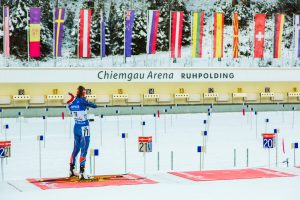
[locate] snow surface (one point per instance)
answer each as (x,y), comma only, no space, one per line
(226,132)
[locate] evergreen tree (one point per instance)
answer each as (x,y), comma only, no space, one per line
(116,28)
(46,28)
(19,29)
(96,29)
(139,33)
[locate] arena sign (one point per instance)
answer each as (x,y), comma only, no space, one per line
(106,75)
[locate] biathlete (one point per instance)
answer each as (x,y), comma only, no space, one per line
(78,107)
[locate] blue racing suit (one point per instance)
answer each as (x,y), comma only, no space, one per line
(81,129)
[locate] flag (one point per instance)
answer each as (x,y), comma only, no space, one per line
(102,26)
(129,21)
(34,32)
(6,42)
(176,33)
(85,33)
(59,28)
(279,21)
(218,35)
(153,18)
(259,35)
(235,35)
(297,37)
(197,34)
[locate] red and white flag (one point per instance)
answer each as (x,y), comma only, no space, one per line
(176,33)
(6,43)
(85,33)
(259,35)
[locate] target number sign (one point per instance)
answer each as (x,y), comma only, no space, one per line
(5,149)
(145,144)
(268,140)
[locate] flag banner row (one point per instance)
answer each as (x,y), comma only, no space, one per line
(153,18)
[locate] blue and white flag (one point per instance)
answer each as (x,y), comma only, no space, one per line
(129,21)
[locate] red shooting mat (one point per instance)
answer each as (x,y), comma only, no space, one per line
(214,175)
(97,181)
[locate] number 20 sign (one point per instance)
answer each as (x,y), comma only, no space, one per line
(145,144)
(268,140)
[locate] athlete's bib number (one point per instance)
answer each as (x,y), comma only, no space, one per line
(85,131)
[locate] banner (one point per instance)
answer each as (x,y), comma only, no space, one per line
(297,36)
(34,32)
(59,30)
(153,18)
(279,22)
(102,26)
(6,42)
(85,33)
(129,21)
(235,35)
(197,34)
(218,35)
(176,33)
(259,35)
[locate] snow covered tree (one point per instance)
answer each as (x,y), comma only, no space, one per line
(116,28)
(96,29)
(19,29)
(139,35)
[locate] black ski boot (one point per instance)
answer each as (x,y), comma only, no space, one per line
(72,172)
(82,174)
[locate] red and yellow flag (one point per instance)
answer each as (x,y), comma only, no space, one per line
(235,35)
(34,32)
(218,35)
(279,21)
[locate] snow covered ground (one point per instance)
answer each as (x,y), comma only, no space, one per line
(182,135)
